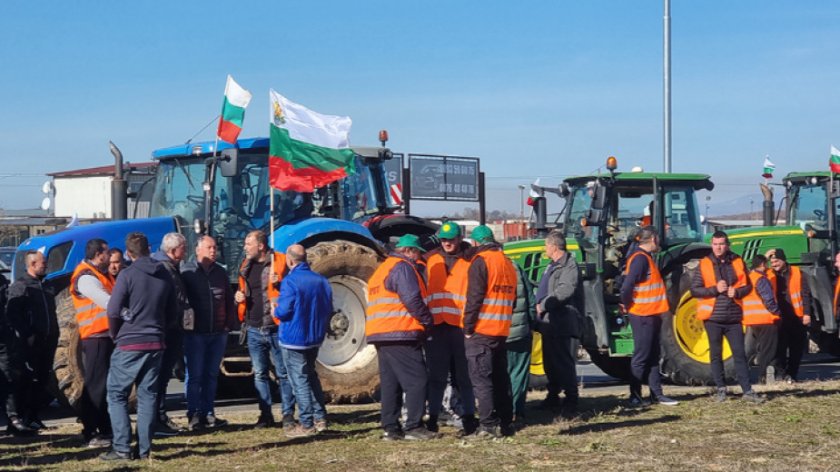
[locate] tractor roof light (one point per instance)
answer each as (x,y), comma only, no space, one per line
(612,163)
(814,180)
(383,136)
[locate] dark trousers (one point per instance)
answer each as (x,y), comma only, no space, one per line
(96,360)
(762,341)
(401,370)
(36,374)
(9,379)
(793,337)
(174,351)
(519,370)
(645,362)
(734,333)
(445,354)
(487,361)
(559,362)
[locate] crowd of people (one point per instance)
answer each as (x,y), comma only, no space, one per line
(452,327)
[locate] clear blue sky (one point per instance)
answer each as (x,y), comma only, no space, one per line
(533,88)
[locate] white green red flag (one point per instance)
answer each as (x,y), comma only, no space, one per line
(834,161)
(769,167)
(306,149)
(233,111)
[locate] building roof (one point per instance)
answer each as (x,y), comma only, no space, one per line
(103,170)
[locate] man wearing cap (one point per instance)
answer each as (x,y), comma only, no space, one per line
(447,268)
(491,294)
(397,320)
(794,298)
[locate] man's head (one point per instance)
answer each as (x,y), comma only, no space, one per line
(115,261)
(36,264)
(174,245)
(256,245)
(409,246)
(555,245)
(96,251)
(205,250)
(482,234)
(136,245)
(778,259)
(759,263)
(295,254)
(837,261)
(720,244)
(648,239)
(450,237)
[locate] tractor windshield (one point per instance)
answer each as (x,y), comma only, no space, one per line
(809,206)
(580,202)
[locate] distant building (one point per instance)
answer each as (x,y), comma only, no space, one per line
(86,193)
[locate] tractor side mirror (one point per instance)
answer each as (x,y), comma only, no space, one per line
(228,162)
(598,207)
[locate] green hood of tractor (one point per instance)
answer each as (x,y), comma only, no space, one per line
(748,242)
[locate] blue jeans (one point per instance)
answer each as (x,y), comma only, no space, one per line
(202,356)
(264,349)
(127,369)
(307,385)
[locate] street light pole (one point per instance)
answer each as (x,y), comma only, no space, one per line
(521,202)
(666,53)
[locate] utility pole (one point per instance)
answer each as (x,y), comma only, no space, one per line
(666,112)
(521,202)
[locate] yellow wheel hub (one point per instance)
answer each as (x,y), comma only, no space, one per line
(690,334)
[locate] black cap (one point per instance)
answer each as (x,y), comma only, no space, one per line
(779,253)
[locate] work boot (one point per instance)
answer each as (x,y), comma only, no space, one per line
(551,402)
(719,395)
(301,431)
(753,397)
(113,455)
(196,424)
(395,435)
(214,422)
(289,422)
(165,427)
(432,423)
(321,425)
(265,422)
(636,401)
(470,424)
(16,427)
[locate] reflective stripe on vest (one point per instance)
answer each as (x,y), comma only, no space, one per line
(755,312)
(270,292)
(496,310)
(90,317)
(836,294)
(705,306)
(649,296)
(447,289)
(385,312)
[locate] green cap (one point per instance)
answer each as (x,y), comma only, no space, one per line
(482,235)
(449,230)
(410,240)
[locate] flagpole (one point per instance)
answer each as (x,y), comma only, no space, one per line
(271,219)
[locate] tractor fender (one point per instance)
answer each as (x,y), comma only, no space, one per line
(314,230)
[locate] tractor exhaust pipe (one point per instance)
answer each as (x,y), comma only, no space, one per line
(540,216)
(767,214)
(119,186)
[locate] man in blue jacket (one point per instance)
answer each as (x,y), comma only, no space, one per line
(304,309)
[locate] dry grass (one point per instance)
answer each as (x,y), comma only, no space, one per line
(798,429)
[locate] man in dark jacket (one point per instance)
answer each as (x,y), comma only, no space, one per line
(519,342)
(559,324)
(304,309)
(142,304)
(794,298)
(9,371)
(719,285)
(173,250)
(397,320)
(211,299)
(31,313)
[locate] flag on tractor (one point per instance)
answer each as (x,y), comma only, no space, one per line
(533,194)
(306,149)
(233,111)
(769,167)
(834,161)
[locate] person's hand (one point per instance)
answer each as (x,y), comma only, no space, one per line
(622,309)
(806,320)
(239,297)
(722,286)
(730,292)
(539,309)
(771,253)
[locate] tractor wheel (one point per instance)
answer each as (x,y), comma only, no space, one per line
(347,365)
(618,367)
(685,345)
(68,369)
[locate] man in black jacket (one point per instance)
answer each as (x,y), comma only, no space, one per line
(31,313)
(9,371)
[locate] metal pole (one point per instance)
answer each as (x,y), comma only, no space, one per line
(521,203)
(666,52)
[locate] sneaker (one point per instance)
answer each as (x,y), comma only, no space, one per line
(663,400)
(16,427)
(196,424)
(507,430)
(550,403)
(113,455)
(213,422)
(753,397)
(320,425)
(166,428)
(486,432)
(393,435)
(300,431)
(636,401)
(265,422)
(36,424)
(419,434)
(99,442)
(432,424)
(719,395)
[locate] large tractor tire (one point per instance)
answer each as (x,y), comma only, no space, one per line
(68,356)
(347,365)
(618,367)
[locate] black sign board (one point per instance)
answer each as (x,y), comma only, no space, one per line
(443,177)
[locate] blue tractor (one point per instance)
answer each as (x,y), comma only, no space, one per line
(345,227)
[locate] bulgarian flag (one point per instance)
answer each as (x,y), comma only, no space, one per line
(306,149)
(233,111)
(769,167)
(834,162)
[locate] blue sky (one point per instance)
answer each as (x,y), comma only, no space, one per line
(534,88)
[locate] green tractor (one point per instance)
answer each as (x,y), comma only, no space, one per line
(602,215)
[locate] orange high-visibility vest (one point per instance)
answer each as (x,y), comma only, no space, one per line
(447,291)
(705,306)
(496,311)
(836,295)
(270,292)
(649,297)
(90,317)
(755,313)
(385,312)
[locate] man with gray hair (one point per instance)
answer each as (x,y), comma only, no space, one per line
(173,250)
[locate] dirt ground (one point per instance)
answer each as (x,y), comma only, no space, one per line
(797,429)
